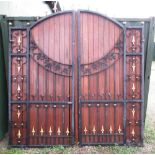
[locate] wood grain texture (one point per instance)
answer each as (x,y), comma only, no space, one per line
(107,86)
(99,37)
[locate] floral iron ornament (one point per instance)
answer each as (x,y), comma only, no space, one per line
(56,67)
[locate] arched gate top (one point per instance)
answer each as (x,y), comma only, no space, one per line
(103,16)
(50,16)
(72,11)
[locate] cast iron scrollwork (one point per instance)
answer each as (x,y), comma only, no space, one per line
(102,64)
(133,36)
(18,78)
(18,41)
(49,64)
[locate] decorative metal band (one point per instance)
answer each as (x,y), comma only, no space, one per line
(134,38)
(106,61)
(18,40)
(102,64)
(18,78)
(134,79)
(49,64)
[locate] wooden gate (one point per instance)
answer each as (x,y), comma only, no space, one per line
(42,81)
(110,81)
(76,75)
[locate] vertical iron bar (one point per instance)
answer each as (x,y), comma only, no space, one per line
(142,88)
(10,85)
(115,95)
(54,87)
(63,90)
(89,105)
(105,109)
(51,138)
(59,77)
(63,125)
(124,94)
(115,104)
(120,137)
(89,130)
(54,122)
(103,124)
(98,93)
(37,82)
(37,124)
(105,120)
(28,88)
(46,85)
(46,123)
(63,108)
(73,72)
(89,109)
(103,82)
(79,77)
(98,122)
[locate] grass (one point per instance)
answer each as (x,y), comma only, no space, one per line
(13,151)
(123,149)
(149,147)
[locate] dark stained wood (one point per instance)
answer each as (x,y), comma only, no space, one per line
(98,38)
(106,114)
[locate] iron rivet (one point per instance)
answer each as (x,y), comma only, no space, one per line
(37,106)
(18,106)
(115,105)
(54,106)
(10,23)
(28,23)
(63,106)
(46,106)
(89,105)
(106,104)
(19,141)
(97,105)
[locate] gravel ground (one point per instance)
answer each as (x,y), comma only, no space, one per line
(149,136)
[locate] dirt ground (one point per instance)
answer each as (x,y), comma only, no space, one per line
(149,135)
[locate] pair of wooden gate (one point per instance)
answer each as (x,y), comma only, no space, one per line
(76,76)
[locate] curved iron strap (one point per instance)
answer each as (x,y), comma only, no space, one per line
(105,62)
(41,58)
(66,70)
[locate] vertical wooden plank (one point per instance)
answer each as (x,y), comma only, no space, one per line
(84,60)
